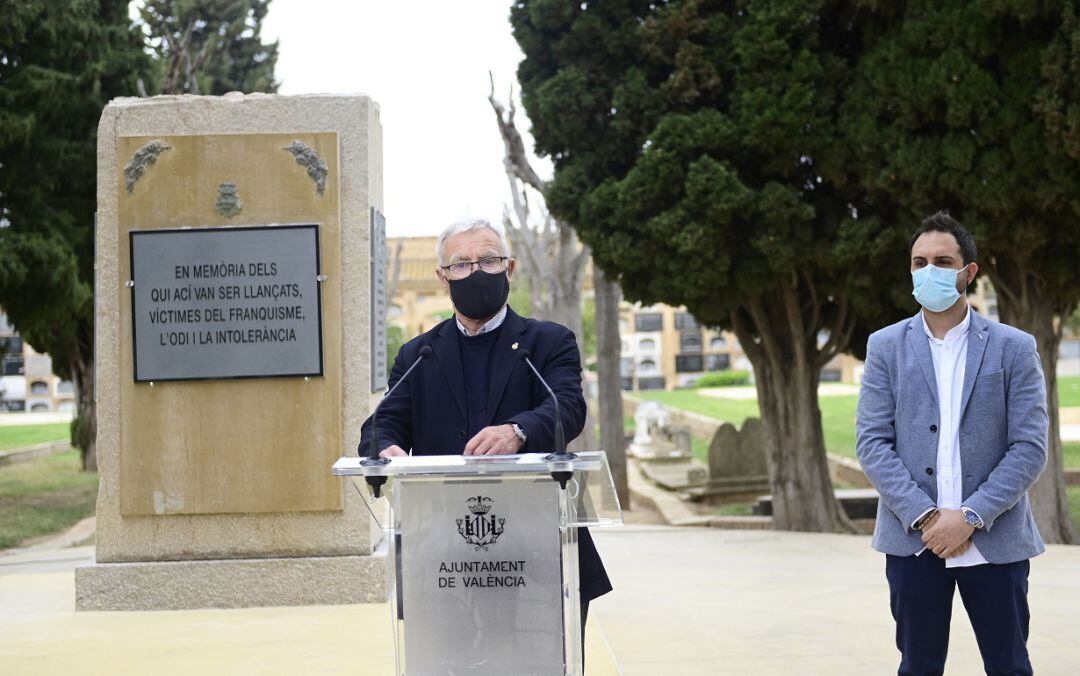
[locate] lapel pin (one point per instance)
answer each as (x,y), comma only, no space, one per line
(514,346)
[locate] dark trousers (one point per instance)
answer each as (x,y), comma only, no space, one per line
(921,593)
(584,616)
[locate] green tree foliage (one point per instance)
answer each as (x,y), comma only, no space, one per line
(520,296)
(723,379)
(395,338)
(974,106)
(694,146)
(60,63)
(588,333)
(210,46)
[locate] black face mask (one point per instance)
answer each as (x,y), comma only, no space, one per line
(481,294)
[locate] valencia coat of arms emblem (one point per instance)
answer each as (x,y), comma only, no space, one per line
(480,527)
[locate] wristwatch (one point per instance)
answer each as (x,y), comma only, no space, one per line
(520,433)
(973,519)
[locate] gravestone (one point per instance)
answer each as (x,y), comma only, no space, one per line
(655,438)
(647,414)
(737,453)
(234,309)
(664,450)
(737,464)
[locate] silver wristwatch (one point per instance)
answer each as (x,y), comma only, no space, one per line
(519,432)
(972,519)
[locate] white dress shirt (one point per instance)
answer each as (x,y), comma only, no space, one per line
(950,363)
(490,325)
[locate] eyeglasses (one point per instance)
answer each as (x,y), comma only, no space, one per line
(462,269)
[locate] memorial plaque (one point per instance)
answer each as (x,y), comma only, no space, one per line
(234,302)
(236,445)
(378,300)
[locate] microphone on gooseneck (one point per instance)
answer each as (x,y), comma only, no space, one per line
(560,439)
(376,482)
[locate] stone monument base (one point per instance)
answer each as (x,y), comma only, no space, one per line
(232,583)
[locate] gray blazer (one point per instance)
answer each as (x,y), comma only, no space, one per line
(1003,426)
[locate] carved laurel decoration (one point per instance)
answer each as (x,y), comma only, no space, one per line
(228,202)
(309,159)
(141,161)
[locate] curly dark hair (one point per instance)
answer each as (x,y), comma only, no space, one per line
(943,222)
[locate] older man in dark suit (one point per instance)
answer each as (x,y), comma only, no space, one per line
(478,397)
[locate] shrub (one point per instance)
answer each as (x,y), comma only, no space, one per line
(80,433)
(723,379)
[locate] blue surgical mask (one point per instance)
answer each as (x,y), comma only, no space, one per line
(935,288)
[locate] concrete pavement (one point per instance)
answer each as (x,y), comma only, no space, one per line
(687,601)
(705,601)
(40,632)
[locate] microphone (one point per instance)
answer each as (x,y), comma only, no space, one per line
(559,453)
(376,482)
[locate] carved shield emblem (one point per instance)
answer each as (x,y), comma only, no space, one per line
(480,527)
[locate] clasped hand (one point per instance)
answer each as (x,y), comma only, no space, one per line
(495,440)
(947,534)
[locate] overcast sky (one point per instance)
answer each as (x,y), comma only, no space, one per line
(426,64)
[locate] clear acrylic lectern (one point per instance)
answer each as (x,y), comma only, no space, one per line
(483,570)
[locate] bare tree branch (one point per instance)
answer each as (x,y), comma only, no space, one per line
(169,86)
(556,259)
(790,295)
(756,309)
(516,157)
(395,271)
(815,302)
(193,69)
(839,334)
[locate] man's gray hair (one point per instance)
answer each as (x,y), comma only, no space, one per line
(471,224)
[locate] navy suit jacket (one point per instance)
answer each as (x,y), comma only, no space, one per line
(427,413)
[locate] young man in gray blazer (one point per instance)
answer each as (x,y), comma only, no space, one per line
(951,429)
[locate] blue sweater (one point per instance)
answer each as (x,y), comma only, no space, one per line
(476,354)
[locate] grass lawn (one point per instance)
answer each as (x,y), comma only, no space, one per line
(731,410)
(1071,450)
(1069,391)
(1074,504)
(838,424)
(44,495)
(699,446)
(837,414)
(734,509)
(17,436)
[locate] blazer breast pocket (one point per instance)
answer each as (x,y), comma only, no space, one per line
(989,392)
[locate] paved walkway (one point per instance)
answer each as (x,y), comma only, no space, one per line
(687,601)
(704,601)
(40,632)
(1070,432)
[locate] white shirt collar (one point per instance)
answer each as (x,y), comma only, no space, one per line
(491,324)
(954,333)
